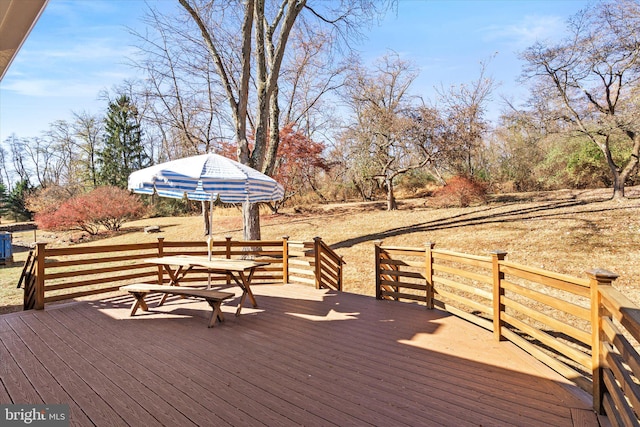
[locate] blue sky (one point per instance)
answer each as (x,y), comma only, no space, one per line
(80,47)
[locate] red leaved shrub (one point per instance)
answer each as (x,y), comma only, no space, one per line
(108,207)
(460,191)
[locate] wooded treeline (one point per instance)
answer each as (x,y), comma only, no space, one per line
(276,85)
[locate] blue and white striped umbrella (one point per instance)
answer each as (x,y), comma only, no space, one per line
(206,178)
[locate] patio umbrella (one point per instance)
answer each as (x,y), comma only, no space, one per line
(206,177)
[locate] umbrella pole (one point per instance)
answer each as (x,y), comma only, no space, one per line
(210,238)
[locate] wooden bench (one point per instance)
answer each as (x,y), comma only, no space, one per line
(214,298)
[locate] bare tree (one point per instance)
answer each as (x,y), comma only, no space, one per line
(181,89)
(389,136)
(595,74)
(87,130)
(36,158)
(247,43)
(465,108)
(62,140)
(5,177)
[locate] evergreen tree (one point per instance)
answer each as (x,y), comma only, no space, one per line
(3,200)
(15,202)
(122,151)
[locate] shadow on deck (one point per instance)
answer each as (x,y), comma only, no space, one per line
(304,357)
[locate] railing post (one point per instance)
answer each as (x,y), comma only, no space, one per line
(378,244)
(40,258)
(285,259)
(597,278)
(498,293)
(341,268)
(428,273)
(160,254)
(318,269)
(227,254)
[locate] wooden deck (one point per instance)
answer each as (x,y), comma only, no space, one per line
(304,357)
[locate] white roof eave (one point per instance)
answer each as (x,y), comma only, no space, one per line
(17,19)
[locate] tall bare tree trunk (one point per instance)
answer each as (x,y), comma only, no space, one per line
(391,198)
(251,221)
(618,186)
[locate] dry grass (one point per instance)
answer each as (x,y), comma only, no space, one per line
(565,231)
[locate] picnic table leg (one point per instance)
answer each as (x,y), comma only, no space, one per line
(244,284)
(216,314)
(175,278)
(139,303)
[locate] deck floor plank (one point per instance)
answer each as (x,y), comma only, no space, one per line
(377,373)
(324,368)
(294,387)
(219,386)
(83,402)
(14,380)
(120,403)
(475,342)
(471,391)
(42,380)
(128,382)
(237,375)
(130,356)
(303,357)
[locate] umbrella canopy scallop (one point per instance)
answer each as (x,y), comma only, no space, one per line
(206,177)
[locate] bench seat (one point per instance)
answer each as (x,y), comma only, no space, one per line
(213,298)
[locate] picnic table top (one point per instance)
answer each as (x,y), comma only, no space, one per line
(203,261)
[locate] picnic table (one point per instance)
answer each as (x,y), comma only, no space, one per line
(241,271)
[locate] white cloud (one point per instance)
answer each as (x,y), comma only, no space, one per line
(526,32)
(49,88)
(85,50)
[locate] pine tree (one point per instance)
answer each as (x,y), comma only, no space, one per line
(15,201)
(122,151)
(3,200)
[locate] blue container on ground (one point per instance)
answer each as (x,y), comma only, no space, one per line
(5,247)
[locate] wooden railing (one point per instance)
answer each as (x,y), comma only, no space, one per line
(616,371)
(547,314)
(56,274)
(314,263)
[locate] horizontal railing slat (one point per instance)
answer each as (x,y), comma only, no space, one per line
(87,272)
(81,294)
(83,283)
(403,250)
(483,323)
(623,310)
(86,261)
(438,268)
(399,273)
(474,260)
(551,301)
(615,363)
(556,325)
(554,280)
(548,340)
(411,297)
(465,301)
(407,263)
(462,287)
(622,345)
(82,250)
(420,286)
(622,408)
